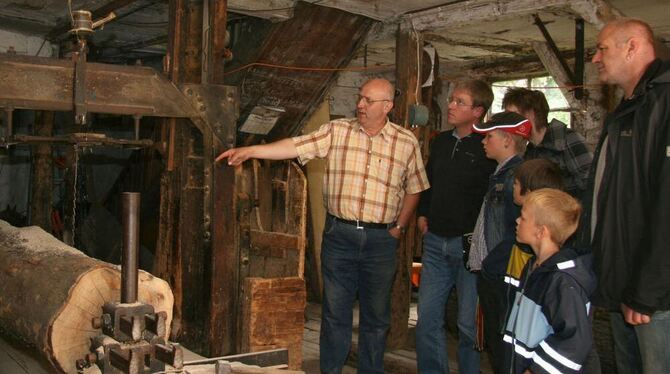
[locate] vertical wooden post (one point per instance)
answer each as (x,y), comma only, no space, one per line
(408,54)
(181,248)
(42,164)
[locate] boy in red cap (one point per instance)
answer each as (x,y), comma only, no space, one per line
(506,135)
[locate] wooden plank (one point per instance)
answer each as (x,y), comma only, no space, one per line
(316,37)
(273,316)
(268,241)
(454,15)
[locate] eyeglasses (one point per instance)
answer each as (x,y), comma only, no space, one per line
(367,100)
(458,102)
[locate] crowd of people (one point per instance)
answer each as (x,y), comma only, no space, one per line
(531,228)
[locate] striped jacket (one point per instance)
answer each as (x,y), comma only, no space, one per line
(549,326)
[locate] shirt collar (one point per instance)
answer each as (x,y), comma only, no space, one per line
(386,132)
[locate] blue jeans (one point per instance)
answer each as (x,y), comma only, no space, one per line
(642,348)
(355,262)
(442,269)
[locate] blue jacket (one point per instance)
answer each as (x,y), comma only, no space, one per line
(501,213)
(549,327)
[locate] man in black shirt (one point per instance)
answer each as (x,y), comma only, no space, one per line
(458,171)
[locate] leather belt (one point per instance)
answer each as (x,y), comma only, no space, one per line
(361,224)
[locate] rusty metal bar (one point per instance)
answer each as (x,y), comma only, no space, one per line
(82,139)
(129,258)
(80,111)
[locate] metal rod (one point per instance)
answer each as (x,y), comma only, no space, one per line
(137,119)
(129,259)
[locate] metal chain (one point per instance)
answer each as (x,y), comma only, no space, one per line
(74,192)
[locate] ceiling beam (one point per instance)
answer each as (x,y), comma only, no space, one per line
(41,83)
(596,12)
(274,10)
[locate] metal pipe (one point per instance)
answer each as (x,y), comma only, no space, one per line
(137,119)
(129,257)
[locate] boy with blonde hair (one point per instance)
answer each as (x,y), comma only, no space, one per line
(549,327)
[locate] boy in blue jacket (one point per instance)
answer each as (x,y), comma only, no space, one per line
(549,327)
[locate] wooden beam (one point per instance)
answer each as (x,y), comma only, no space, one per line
(553,65)
(42,179)
(588,112)
(274,10)
(42,83)
(596,12)
(453,15)
(409,50)
(220,197)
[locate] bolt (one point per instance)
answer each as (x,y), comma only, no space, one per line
(91,358)
(96,322)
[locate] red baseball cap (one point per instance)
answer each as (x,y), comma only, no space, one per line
(511,122)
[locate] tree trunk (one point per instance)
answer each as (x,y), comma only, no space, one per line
(49,293)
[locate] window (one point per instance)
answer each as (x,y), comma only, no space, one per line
(558,106)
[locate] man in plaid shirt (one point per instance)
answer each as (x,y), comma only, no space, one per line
(373,178)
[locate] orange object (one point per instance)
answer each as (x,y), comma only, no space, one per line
(416,274)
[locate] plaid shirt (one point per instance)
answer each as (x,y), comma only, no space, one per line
(366,176)
(568,150)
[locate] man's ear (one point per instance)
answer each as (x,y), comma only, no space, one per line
(632,47)
(388,106)
(479,112)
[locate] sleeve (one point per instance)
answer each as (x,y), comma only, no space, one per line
(579,160)
(424,201)
(315,144)
(567,346)
(649,289)
(417,180)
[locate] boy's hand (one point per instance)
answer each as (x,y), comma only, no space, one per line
(632,317)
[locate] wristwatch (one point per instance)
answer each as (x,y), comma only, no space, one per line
(401,228)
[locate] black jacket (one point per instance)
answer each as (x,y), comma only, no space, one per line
(458,172)
(549,326)
(631,241)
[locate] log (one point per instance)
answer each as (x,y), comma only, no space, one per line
(50,292)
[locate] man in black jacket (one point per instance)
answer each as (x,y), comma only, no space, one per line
(458,171)
(630,192)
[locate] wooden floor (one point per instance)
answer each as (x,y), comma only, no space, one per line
(402,361)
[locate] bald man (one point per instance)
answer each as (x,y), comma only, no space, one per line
(629,191)
(373,179)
